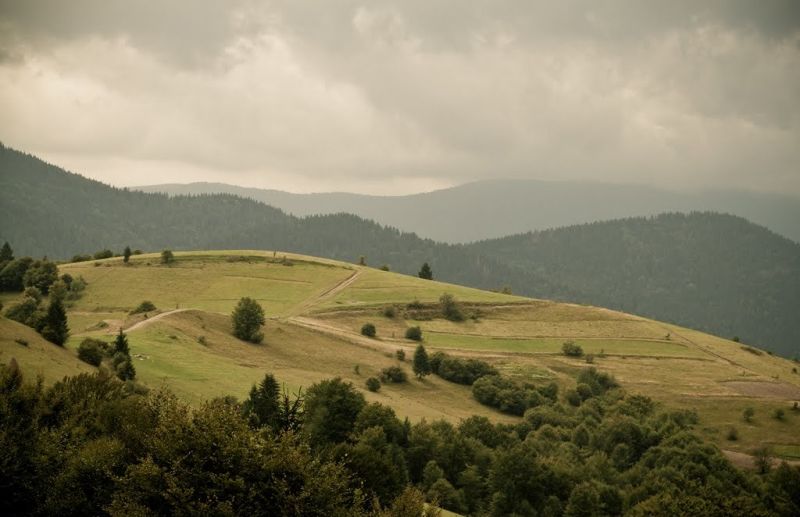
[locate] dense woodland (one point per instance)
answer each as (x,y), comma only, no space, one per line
(713,272)
(94,445)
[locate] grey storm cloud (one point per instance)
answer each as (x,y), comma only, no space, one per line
(392,97)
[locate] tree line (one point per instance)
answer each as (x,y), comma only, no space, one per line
(92,445)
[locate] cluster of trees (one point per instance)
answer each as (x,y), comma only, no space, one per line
(17,274)
(89,445)
(458,370)
(106,253)
(117,354)
(37,279)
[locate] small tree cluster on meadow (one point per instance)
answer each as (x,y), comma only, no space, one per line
(458,370)
(571,349)
(145,306)
(451,309)
(414,333)
(117,355)
(393,374)
(247,318)
(51,322)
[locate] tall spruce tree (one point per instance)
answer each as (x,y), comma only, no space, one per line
(421,365)
(262,407)
(6,253)
(55,327)
(121,344)
(426,272)
(126,255)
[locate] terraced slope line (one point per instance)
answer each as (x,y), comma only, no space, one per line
(329,293)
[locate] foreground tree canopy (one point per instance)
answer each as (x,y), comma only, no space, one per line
(94,445)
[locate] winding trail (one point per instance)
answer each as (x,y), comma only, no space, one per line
(328,293)
(148,321)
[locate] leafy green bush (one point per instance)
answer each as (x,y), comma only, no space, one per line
(571,349)
(145,306)
(461,371)
(368,329)
(103,254)
(248,317)
(92,351)
(451,310)
(167,257)
(394,374)
(373,384)
(414,333)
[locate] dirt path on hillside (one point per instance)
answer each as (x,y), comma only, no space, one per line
(328,293)
(148,321)
(378,344)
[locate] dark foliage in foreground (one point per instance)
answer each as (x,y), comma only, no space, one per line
(90,445)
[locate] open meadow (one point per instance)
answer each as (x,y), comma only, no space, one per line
(315,309)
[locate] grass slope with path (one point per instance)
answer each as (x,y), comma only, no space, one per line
(316,307)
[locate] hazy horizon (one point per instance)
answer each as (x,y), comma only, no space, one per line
(392,98)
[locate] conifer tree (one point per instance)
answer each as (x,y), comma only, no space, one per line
(421,365)
(121,344)
(263,406)
(55,327)
(126,255)
(426,272)
(6,253)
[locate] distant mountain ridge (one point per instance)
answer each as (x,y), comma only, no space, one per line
(496,208)
(717,273)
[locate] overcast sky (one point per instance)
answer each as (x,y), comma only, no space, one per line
(399,97)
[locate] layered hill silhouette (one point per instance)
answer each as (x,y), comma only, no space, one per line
(496,208)
(717,273)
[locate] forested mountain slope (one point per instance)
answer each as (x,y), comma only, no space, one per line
(496,208)
(717,273)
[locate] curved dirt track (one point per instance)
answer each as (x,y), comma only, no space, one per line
(148,321)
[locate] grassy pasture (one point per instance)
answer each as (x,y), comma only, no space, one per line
(207,282)
(522,337)
(170,352)
(622,347)
(375,287)
(36,356)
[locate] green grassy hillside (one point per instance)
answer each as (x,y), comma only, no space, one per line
(316,307)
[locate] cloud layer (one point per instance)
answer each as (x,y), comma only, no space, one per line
(397,97)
